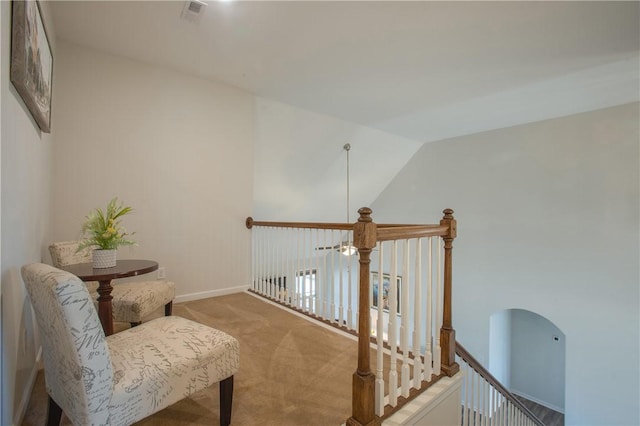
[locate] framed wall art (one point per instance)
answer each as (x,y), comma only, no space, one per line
(32,61)
(386,284)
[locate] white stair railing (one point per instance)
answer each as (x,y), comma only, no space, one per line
(485,401)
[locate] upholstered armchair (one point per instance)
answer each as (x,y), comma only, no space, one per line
(123,378)
(131,301)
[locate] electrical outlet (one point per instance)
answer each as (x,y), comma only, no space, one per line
(162,273)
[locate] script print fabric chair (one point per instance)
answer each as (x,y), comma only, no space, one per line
(123,378)
(131,301)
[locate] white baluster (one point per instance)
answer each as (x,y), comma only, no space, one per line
(480,399)
(467,383)
(393,338)
(485,392)
(379,405)
(316,281)
(512,413)
(268,255)
(474,397)
(325,278)
(281,258)
(307,274)
(349,285)
(256,258)
(404,323)
(260,260)
(267,259)
(291,266)
(341,290)
(272,261)
(276,265)
(494,406)
(507,417)
(303,286)
(333,280)
(417,317)
(428,356)
(253,258)
(263,261)
(296,281)
(498,409)
(279,261)
(285,264)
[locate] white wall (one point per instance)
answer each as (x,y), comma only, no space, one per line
(177,148)
(26,225)
(500,346)
(537,359)
(548,222)
(300,164)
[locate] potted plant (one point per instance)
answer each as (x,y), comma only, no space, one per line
(103,231)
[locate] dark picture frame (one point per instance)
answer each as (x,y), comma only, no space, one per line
(386,283)
(32,61)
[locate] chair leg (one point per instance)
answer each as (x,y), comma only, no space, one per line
(54,413)
(226,400)
(168,309)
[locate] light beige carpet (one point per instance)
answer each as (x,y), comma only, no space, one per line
(292,372)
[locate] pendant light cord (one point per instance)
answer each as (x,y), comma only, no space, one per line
(347,147)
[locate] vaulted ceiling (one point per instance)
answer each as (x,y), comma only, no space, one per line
(421,70)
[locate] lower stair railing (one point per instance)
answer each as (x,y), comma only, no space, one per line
(485,401)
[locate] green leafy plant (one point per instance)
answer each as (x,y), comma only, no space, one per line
(102,229)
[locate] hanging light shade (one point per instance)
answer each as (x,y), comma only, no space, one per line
(348,249)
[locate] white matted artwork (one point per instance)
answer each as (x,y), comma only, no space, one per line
(32,61)
(386,284)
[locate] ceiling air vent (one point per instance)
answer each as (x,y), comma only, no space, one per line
(193,10)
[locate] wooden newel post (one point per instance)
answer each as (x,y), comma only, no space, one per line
(363,388)
(447,333)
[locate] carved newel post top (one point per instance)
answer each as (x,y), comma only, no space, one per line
(365,214)
(249,222)
(449,221)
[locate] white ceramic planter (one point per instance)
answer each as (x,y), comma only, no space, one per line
(104,258)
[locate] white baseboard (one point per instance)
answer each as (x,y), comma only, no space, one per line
(305,317)
(537,401)
(26,396)
(211,293)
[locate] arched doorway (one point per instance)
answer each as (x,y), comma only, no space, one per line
(527,354)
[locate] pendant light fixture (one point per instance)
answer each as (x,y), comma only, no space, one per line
(345,247)
(348,249)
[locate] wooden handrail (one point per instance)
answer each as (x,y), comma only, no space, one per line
(390,233)
(385,232)
(250,223)
(484,373)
